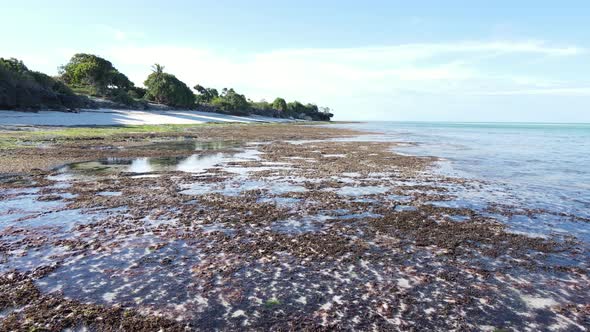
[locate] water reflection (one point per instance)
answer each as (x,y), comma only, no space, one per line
(191,145)
(196,163)
(141,165)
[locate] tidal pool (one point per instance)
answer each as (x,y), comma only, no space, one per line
(191,145)
(196,163)
(362,191)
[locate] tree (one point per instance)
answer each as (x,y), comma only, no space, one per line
(262,105)
(200,89)
(295,107)
(235,100)
(206,95)
(279,104)
(93,72)
(21,87)
(158,69)
(212,93)
(231,101)
(14,65)
(166,89)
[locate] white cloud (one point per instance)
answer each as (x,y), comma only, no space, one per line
(582,91)
(400,77)
(373,76)
(118,34)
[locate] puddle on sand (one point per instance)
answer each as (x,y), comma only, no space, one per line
(280,201)
(192,164)
(300,225)
(22,206)
(191,145)
(27,260)
(235,188)
(110,193)
(361,191)
(65,219)
(360,216)
(216,227)
(404,208)
(27,211)
(458,218)
(399,198)
(134,273)
(29,226)
(196,163)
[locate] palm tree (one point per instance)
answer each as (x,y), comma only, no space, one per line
(158,69)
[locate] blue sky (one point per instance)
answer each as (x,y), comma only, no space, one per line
(393,60)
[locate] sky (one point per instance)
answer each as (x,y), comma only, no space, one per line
(514,61)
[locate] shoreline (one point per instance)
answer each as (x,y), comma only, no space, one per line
(25,151)
(254,231)
(121,117)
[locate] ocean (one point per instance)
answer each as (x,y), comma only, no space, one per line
(535,166)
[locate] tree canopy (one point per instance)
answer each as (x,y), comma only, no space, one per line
(21,87)
(205,95)
(279,104)
(165,88)
(88,74)
(94,72)
(230,100)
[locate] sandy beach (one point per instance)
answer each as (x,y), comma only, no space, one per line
(114,117)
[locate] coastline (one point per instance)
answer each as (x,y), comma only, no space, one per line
(268,227)
(121,117)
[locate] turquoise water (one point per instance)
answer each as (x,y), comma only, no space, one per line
(529,165)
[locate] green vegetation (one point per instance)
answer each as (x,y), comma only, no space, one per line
(205,95)
(166,89)
(231,102)
(279,104)
(22,138)
(94,73)
(33,138)
(90,75)
(85,132)
(272,302)
(23,88)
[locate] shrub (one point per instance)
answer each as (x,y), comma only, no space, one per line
(21,87)
(166,89)
(231,102)
(137,92)
(205,95)
(123,97)
(279,104)
(91,71)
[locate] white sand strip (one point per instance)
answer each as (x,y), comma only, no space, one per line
(109,117)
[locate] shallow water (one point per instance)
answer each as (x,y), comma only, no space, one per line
(524,165)
(222,262)
(132,273)
(237,186)
(196,163)
(191,145)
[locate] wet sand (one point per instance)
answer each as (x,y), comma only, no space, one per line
(267,227)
